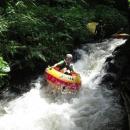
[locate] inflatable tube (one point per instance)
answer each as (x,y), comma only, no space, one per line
(58,80)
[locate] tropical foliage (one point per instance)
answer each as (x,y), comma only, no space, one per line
(129,2)
(38,32)
(4,69)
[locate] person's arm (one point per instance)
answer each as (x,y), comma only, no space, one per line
(59,63)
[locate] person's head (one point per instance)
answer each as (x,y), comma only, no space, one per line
(68,58)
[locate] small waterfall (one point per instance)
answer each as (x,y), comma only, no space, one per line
(94,108)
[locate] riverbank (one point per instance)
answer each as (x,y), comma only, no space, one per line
(35,34)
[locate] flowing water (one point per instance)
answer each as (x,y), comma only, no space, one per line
(94,108)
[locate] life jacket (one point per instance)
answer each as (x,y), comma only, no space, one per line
(64,65)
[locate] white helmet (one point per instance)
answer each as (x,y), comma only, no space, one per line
(69,56)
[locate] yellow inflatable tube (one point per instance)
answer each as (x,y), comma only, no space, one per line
(57,78)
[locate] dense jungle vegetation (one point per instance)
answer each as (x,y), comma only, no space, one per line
(35,33)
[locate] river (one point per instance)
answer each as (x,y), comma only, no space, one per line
(95,107)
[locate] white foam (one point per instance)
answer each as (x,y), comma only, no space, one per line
(90,110)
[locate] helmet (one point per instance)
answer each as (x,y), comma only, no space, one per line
(69,56)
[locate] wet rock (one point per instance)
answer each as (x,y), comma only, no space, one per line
(109,59)
(108,77)
(111,67)
(114,64)
(116,71)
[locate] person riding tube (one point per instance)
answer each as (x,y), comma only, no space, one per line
(66,65)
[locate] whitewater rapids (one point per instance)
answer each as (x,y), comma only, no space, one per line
(94,108)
